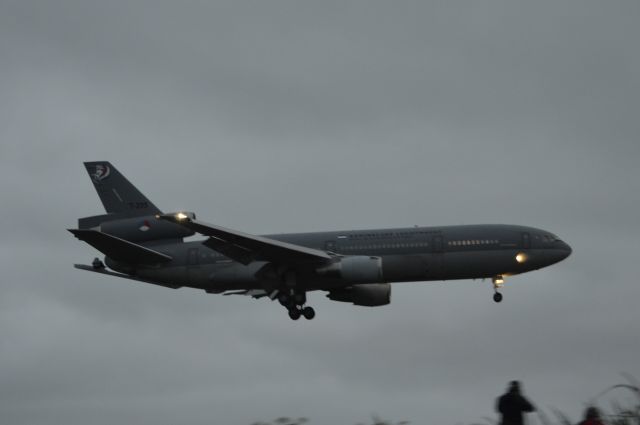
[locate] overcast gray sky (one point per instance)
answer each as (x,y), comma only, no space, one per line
(290,116)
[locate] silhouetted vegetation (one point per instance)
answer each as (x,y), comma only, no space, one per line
(284,420)
(289,421)
(614,414)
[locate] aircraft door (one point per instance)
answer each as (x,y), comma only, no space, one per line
(436,268)
(526,240)
(192,257)
(438,244)
(194,271)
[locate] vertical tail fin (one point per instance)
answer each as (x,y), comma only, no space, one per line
(117,194)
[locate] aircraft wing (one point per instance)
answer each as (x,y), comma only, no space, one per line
(245,248)
(120,249)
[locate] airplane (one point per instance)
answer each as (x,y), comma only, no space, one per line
(144,244)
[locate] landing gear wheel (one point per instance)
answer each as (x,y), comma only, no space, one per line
(308,313)
(97,264)
(497,297)
(294,314)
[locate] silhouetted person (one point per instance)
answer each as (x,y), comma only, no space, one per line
(591,417)
(512,405)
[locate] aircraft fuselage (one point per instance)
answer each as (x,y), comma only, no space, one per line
(407,254)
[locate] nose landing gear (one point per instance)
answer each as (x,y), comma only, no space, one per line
(97,264)
(498,282)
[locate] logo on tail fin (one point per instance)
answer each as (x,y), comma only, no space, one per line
(101,173)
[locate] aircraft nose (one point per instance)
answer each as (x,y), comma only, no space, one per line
(561,251)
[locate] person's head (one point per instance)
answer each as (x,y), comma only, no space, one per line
(592,412)
(514,387)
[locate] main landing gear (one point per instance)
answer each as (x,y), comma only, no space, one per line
(498,282)
(297,311)
(294,302)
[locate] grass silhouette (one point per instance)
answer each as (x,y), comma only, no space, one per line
(615,414)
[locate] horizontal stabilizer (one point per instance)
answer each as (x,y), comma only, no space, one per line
(124,276)
(118,249)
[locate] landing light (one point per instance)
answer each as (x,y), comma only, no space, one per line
(521,257)
(181,216)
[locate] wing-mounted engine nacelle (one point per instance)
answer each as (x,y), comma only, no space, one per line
(136,229)
(356,269)
(369,295)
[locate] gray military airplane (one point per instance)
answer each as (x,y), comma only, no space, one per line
(142,243)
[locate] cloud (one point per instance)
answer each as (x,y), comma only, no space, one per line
(273,117)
